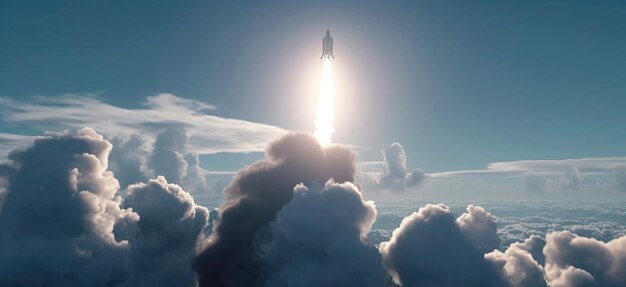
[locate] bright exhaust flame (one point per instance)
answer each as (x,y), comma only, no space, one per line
(325,112)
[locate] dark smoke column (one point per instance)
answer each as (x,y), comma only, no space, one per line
(253,199)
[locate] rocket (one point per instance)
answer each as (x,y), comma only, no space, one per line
(327,46)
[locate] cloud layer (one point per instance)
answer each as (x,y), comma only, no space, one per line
(295,218)
(59,213)
(331,222)
(63,222)
(590,175)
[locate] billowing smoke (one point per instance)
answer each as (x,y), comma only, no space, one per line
(572,260)
(128,160)
(167,158)
(430,249)
(517,264)
(167,235)
(296,218)
(63,225)
(573,277)
(171,159)
(318,239)
(56,224)
(533,245)
(133,162)
(566,260)
(194,180)
(479,226)
(396,175)
(253,199)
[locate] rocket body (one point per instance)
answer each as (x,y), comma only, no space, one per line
(327,46)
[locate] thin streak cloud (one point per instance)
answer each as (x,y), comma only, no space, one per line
(207,133)
(587,166)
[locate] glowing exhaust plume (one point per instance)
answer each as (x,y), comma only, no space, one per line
(325,112)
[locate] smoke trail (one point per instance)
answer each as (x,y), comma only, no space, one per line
(325,112)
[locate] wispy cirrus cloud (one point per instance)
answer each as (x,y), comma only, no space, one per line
(586,166)
(584,174)
(550,167)
(207,133)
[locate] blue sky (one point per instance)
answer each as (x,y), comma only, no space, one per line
(459,84)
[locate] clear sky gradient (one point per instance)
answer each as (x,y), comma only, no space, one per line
(460,84)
